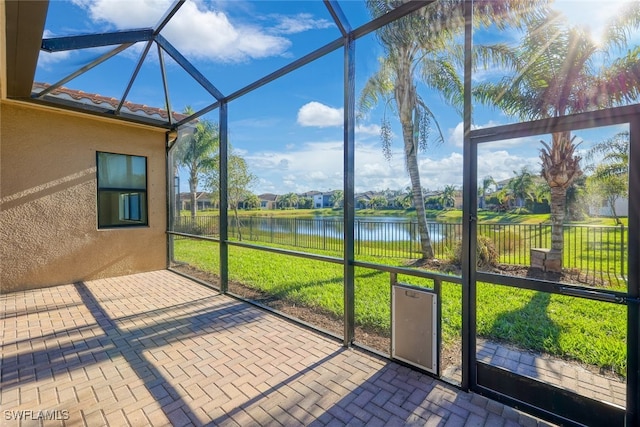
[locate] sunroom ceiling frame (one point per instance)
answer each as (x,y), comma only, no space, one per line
(126,38)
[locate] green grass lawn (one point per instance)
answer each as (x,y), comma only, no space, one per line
(597,253)
(589,331)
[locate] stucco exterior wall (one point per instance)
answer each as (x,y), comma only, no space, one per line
(3,51)
(48,223)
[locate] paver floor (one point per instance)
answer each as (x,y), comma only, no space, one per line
(158,349)
(561,373)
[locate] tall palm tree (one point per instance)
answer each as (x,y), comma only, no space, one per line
(196,153)
(560,70)
(407,197)
(423,44)
(487,182)
(289,200)
(378,202)
(521,186)
(447,198)
(337,198)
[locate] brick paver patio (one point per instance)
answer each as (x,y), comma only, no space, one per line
(158,349)
(551,370)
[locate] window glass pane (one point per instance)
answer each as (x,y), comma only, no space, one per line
(581,239)
(117,208)
(571,343)
(121,171)
(130,207)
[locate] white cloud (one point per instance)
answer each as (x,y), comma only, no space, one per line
(456,135)
(320,115)
(319,166)
(501,164)
(368,130)
(318,176)
(47,59)
(201,33)
(197,30)
(298,23)
(124,14)
(436,173)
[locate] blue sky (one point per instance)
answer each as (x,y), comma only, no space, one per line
(289,131)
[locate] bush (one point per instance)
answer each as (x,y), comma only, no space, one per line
(486,253)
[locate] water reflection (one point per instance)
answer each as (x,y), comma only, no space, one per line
(385,229)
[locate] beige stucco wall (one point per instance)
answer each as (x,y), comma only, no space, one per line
(48,224)
(3,51)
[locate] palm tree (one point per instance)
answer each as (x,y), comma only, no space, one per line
(337,198)
(447,198)
(196,153)
(289,200)
(378,202)
(615,155)
(521,186)
(407,197)
(557,73)
(401,201)
(487,182)
(540,192)
(424,44)
(610,177)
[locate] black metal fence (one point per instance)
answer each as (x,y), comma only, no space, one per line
(597,252)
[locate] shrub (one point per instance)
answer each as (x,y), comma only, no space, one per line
(486,253)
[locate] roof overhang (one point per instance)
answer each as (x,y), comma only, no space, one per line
(25,20)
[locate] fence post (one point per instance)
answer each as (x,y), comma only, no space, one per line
(324,235)
(540,235)
(295,232)
(622,275)
(271,227)
(358,243)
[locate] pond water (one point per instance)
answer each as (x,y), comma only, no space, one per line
(366,228)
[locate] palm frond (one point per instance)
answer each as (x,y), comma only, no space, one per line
(440,74)
(619,83)
(378,86)
(619,29)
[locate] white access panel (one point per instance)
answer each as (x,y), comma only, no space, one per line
(414,321)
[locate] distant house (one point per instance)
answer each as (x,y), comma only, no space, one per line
(432,200)
(457,200)
(362,199)
(309,194)
(323,200)
(515,202)
(604,210)
(203,201)
(268,201)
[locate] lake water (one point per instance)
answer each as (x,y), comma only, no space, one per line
(366,228)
